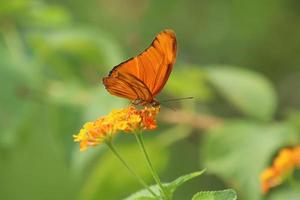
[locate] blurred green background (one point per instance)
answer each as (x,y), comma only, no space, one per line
(239,59)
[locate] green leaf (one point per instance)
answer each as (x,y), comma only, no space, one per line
(18,91)
(239,151)
(228,194)
(42,15)
(170,187)
(90,99)
(76,53)
(145,194)
(14,8)
(250,92)
(101,102)
(194,79)
(182,179)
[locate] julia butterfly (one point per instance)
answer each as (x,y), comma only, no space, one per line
(141,78)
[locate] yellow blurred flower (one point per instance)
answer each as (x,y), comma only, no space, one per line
(284,161)
(129,120)
(283,164)
(296,156)
(269,178)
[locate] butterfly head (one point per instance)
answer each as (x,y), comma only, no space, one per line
(141,102)
(155,103)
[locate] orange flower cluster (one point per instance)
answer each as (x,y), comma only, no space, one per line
(284,163)
(126,120)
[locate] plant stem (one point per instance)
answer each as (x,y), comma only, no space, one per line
(112,148)
(140,140)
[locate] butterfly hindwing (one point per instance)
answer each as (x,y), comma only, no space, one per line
(127,86)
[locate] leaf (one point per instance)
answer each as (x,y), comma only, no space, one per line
(101,103)
(191,76)
(76,53)
(239,151)
(250,92)
(228,194)
(170,187)
(145,194)
(42,15)
(14,8)
(182,179)
(16,100)
(91,99)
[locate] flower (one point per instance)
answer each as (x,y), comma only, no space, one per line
(284,161)
(129,120)
(283,164)
(148,118)
(269,178)
(296,156)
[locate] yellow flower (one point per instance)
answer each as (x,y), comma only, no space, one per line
(94,133)
(284,161)
(127,120)
(283,164)
(269,178)
(148,117)
(296,156)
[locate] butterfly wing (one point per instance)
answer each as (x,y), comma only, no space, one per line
(144,76)
(127,86)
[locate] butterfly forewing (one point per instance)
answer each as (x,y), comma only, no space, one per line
(144,76)
(156,62)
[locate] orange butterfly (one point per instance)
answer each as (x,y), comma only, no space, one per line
(142,77)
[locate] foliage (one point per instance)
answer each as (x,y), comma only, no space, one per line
(170,187)
(54,53)
(215,195)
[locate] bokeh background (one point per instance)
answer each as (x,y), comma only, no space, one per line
(239,59)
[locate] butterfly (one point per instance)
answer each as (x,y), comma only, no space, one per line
(141,78)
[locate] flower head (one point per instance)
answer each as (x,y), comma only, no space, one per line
(284,161)
(283,164)
(127,120)
(269,178)
(296,156)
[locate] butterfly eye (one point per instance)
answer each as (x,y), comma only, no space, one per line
(155,103)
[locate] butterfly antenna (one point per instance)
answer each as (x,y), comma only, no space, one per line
(167,106)
(177,99)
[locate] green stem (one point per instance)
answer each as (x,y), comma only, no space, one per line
(140,140)
(112,148)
